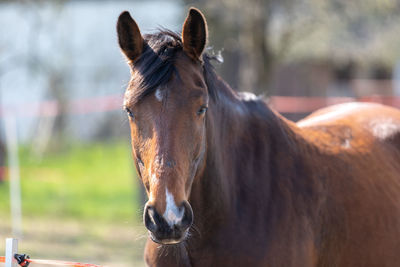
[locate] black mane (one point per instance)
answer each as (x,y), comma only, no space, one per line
(156,64)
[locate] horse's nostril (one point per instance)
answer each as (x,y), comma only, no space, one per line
(187,219)
(149,218)
(164,229)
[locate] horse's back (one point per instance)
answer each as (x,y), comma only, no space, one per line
(379,122)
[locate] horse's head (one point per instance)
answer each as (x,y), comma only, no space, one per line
(166,102)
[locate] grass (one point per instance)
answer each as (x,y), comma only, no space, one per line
(86,182)
(81,205)
(107,244)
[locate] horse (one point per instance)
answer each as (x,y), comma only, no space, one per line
(231,182)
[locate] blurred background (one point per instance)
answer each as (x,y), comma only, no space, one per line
(64,139)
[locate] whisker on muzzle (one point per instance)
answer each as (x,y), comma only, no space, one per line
(193,230)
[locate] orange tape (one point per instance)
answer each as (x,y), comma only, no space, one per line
(52,262)
(62,263)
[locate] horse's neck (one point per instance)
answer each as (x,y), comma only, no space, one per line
(243,139)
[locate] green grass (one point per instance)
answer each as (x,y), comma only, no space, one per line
(94,182)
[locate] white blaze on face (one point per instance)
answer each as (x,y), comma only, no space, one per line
(172,213)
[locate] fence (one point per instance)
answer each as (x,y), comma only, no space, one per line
(13,259)
(283,104)
(302,104)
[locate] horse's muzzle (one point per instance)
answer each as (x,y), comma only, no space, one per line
(168,232)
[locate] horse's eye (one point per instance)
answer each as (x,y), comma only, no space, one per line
(202,110)
(130,113)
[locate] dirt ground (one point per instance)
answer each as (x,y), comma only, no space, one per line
(112,245)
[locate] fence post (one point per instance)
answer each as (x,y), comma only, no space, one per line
(13,163)
(11,250)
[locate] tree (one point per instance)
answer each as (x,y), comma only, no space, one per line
(258,35)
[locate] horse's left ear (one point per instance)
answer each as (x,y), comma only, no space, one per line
(194,34)
(129,37)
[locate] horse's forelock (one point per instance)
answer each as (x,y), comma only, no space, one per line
(156,65)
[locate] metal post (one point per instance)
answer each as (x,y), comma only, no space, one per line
(11,250)
(13,163)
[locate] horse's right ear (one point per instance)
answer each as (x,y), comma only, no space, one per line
(129,37)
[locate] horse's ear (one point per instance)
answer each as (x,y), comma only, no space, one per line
(194,34)
(129,37)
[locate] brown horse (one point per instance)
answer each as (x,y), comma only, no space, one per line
(232,183)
